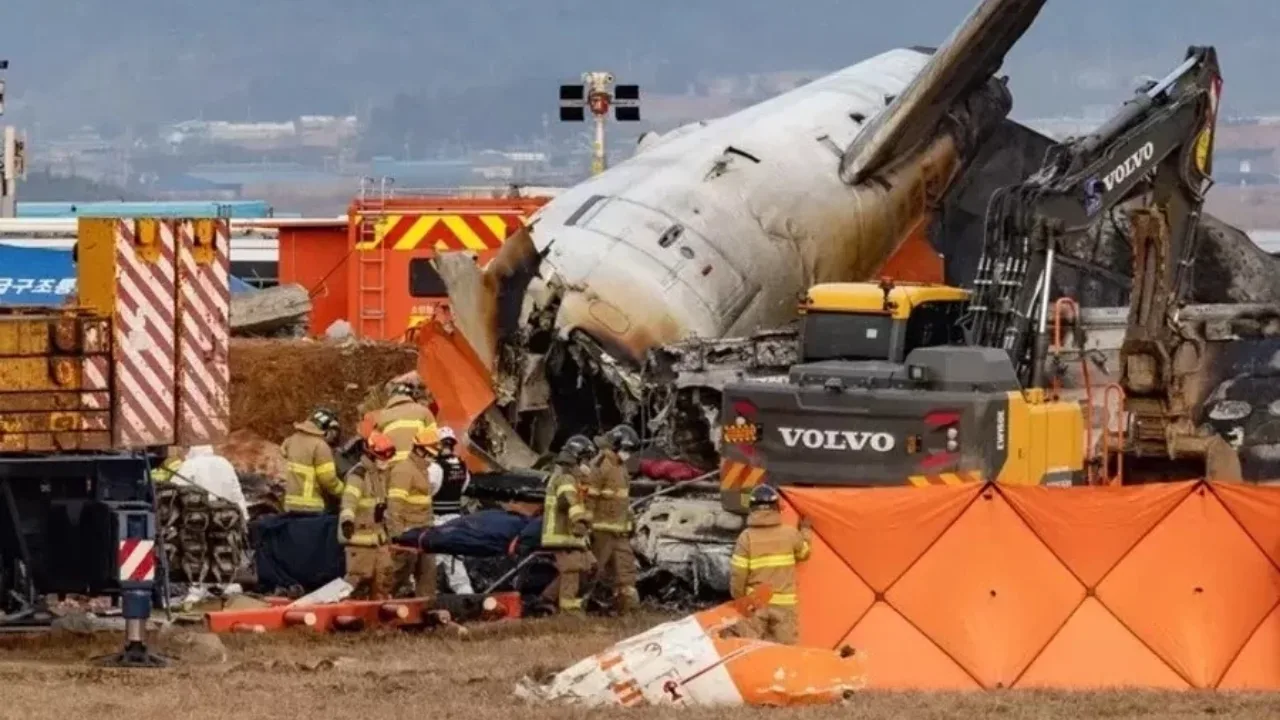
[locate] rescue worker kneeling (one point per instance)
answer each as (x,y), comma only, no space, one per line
(312,484)
(766,554)
(609,504)
(362,522)
(409,506)
(566,524)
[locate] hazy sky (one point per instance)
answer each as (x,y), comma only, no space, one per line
(128,61)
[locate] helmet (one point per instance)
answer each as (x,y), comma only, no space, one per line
(576,449)
(404,388)
(623,438)
(765,496)
(325,419)
(380,447)
(447,437)
(427,437)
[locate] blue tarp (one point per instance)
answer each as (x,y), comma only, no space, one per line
(253,209)
(296,550)
(488,533)
(42,276)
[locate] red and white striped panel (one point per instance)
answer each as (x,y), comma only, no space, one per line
(95,396)
(136,560)
(204,331)
(144,337)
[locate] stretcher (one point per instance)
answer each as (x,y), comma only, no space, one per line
(356,615)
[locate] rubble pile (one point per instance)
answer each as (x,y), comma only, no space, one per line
(277,382)
(271,312)
(260,466)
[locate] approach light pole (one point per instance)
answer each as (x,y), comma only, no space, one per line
(11,161)
(598,93)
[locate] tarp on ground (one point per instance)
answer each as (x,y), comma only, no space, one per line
(45,277)
(1172,585)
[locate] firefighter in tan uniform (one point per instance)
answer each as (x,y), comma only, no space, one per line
(403,418)
(566,524)
(409,506)
(362,522)
(312,483)
(766,554)
(608,501)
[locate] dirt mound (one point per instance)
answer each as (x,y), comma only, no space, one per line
(277,382)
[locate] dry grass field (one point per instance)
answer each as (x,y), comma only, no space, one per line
(394,676)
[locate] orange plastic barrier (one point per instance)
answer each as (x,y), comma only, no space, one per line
(952,587)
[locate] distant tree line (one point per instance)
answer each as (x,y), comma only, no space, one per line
(44,186)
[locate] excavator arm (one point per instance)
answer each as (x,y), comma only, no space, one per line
(1153,160)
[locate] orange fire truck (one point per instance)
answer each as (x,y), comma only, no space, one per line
(393,284)
(373,268)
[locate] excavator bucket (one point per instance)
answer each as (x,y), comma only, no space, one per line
(687,663)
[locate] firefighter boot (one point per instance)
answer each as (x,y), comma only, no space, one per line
(628,600)
(361,565)
(571,564)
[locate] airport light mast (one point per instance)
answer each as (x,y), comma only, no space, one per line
(12,161)
(598,93)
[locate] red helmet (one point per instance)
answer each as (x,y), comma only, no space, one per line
(380,447)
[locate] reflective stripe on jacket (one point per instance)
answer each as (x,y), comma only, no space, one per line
(164,472)
(312,475)
(766,554)
(400,420)
(561,508)
(366,488)
(608,492)
(408,496)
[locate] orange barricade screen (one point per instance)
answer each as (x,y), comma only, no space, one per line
(1162,586)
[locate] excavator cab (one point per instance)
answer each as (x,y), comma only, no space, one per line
(888,394)
(885,321)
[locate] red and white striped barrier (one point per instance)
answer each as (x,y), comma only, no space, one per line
(144,335)
(204,305)
(137,560)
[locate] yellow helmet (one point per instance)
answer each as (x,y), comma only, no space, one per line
(428,437)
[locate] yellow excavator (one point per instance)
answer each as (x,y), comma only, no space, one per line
(928,384)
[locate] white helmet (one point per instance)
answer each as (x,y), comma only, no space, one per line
(447,435)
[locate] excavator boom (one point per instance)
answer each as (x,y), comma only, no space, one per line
(1153,161)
